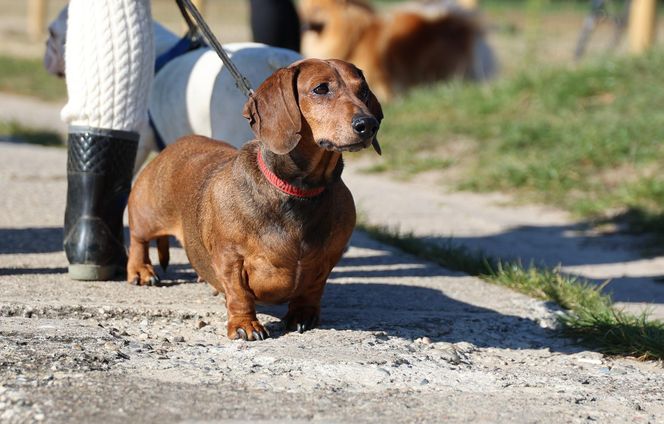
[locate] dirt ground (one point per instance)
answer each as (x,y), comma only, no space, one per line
(401,340)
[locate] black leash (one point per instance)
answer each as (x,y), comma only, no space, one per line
(187,6)
(193,29)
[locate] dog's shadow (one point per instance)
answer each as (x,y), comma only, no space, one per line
(376,289)
(373,288)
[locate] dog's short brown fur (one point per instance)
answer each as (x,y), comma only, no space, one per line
(396,51)
(242,235)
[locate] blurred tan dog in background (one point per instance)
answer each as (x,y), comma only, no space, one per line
(415,44)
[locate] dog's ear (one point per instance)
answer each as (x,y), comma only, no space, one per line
(273,111)
(374,106)
(377,111)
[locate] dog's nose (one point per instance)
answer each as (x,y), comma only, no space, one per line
(365,126)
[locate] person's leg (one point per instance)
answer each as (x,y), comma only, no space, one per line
(109,60)
(275,23)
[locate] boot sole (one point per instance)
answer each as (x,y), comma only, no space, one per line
(92,272)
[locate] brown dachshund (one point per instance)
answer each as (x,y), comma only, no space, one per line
(266,223)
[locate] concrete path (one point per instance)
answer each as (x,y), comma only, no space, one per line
(401,340)
(532,234)
(32,113)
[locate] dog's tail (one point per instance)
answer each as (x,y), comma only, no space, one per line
(162,250)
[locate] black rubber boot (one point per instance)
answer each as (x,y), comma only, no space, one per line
(99,171)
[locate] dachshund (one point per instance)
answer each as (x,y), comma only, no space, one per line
(417,44)
(268,222)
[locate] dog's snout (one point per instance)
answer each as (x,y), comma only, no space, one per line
(365,126)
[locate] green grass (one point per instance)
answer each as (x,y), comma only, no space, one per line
(589,140)
(28,77)
(18,132)
(590,316)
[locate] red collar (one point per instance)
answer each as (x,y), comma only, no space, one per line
(283,185)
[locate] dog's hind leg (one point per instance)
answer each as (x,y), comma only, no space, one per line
(162,250)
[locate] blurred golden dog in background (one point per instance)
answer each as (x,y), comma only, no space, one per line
(416,44)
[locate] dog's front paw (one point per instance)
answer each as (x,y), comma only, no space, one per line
(246,329)
(302,319)
(142,275)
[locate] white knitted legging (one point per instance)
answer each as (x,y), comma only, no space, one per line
(109,59)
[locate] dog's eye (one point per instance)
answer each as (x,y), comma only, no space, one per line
(316,27)
(321,89)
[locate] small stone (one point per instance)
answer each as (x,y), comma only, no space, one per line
(592,361)
(465,347)
(588,357)
(381,335)
(424,381)
(383,371)
(178,339)
(135,346)
(200,324)
(144,323)
(451,356)
(423,340)
(143,336)
(39,417)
